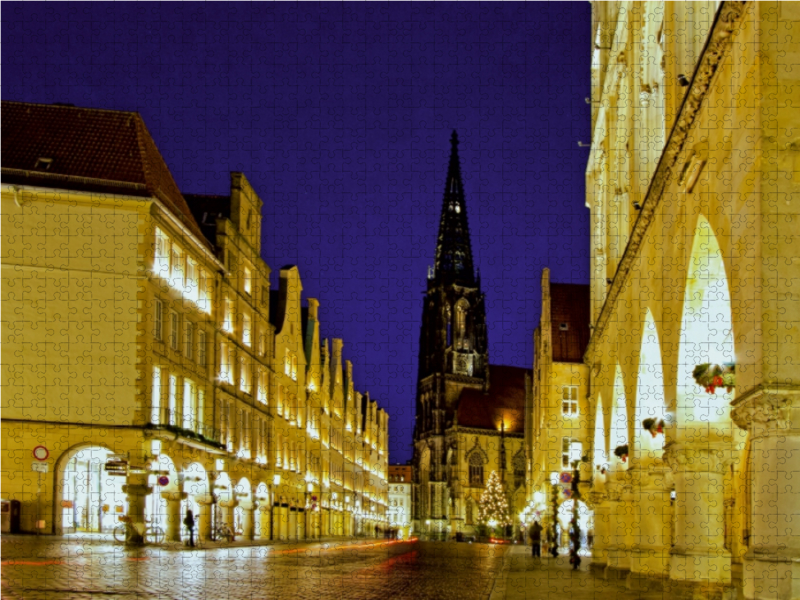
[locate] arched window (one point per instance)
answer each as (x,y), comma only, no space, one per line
(475,470)
(462,341)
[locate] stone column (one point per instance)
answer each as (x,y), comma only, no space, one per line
(174,517)
(136,490)
(248,522)
(699,555)
(264,512)
(772,562)
(602,529)
(650,552)
(204,523)
(228,512)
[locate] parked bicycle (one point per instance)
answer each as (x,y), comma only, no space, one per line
(124,532)
(222,532)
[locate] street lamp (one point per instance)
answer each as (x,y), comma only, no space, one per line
(554,489)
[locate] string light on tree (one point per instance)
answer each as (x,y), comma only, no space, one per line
(493,505)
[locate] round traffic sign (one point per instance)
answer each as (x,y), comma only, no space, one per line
(163,480)
(41,453)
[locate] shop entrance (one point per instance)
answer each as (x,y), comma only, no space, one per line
(91,499)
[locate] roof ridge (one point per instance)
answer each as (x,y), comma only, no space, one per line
(61,106)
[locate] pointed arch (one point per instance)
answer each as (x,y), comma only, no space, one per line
(600,447)
(619,417)
(706,337)
(650,402)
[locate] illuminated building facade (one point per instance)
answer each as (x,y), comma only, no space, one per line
(151,358)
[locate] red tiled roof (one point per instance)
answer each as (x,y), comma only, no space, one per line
(107,147)
(569,304)
(505,402)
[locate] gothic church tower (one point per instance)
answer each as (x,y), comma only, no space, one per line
(453,348)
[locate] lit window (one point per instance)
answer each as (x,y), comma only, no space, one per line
(246,330)
(155,403)
(158,320)
(569,400)
(262,387)
(565,448)
(245,383)
(191,291)
(189,399)
(201,407)
(227,318)
(248,280)
(204,292)
(226,363)
(287,362)
(174,331)
(161,258)
(173,401)
(294,366)
(177,275)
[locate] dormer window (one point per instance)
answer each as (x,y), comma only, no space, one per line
(564,326)
(43,164)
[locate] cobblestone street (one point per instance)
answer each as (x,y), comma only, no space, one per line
(35,569)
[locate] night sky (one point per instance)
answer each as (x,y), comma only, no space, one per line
(340,116)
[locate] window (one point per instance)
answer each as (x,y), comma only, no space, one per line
(519,469)
(287,362)
(294,366)
(247,284)
(565,445)
(569,400)
(189,399)
(563,327)
(177,276)
(155,402)
(264,295)
(280,400)
(158,320)
(200,412)
(245,382)
(262,341)
(475,470)
(161,258)
(201,348)
(226,363)
(247,330)
(174,331)
(192,281)
(188,340)
(173,400)
(227,316)
(204,292)
(262,387)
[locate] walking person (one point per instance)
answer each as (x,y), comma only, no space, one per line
(189,523)
(536,540)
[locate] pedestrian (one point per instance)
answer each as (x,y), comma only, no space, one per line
(536,540)
(189,523)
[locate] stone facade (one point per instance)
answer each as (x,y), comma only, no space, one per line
(147,342)
(692,183)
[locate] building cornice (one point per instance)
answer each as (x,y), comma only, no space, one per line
(715,50)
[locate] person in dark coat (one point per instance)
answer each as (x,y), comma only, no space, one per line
(189,523)
(536,539)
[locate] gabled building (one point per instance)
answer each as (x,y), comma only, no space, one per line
(149,358)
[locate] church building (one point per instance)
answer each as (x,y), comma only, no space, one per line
(469,414)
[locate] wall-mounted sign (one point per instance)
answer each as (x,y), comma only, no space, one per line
(41,453)
(163,480)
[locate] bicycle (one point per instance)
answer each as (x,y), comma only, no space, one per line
(153,534)
(222,531)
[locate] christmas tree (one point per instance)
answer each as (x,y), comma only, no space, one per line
(493,506)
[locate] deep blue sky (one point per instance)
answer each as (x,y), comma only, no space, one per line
(340,115)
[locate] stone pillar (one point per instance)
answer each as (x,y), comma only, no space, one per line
(174,517)
(772,562)
(617,564)
(650,552)
(204,522)
(602,530)
(248,522)
(228,512)
(282,521)
(699,555)
(136,490)
(264,512)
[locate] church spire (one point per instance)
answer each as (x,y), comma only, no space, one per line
(453,250)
